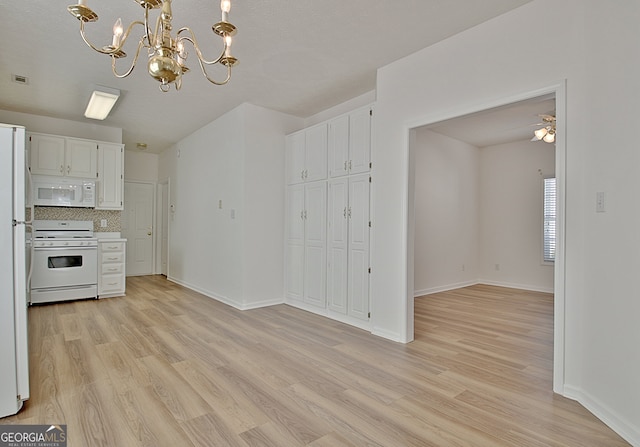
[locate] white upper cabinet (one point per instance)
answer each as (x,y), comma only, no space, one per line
(306,155)
(62,156)
(110,183)
(349,144)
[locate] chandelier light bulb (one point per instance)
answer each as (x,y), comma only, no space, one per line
(225,6)
(117,33)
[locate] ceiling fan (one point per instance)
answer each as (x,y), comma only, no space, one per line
(548,132)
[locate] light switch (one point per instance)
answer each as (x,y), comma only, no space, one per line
(220,204)
(233,214)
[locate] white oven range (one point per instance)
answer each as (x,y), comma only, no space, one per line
(64,261)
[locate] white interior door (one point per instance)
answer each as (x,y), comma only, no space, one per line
(137,227)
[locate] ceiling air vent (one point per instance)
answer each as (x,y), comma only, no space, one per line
(19,79)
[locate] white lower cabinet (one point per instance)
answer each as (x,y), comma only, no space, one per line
(111,274)
(348,246)
(306,243)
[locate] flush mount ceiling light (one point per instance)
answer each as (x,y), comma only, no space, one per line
(101,102)
(167,54)
(548,132)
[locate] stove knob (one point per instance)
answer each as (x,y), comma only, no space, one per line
(66,243)
(50,243)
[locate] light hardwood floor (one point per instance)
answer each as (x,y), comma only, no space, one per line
(165,366)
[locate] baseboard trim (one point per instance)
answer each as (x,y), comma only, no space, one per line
(447,287)
(224,299)
(624,428)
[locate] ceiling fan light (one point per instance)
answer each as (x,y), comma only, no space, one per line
(549,137)
(541,133)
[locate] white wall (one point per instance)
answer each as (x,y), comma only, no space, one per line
(478,207)
(264,193)
(233,251)
(141,166)
(511,215)
(67,128)
(447,194)
(205,242)
(588,43)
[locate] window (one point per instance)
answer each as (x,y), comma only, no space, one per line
(549,228)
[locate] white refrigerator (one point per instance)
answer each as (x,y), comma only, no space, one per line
(14,356)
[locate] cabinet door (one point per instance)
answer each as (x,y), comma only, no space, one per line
(294,271)
(316,153)
(360,141)
(338,146)
(46,155)
(294,156)
(315,262)
(337,245)
(110,176)
(81,158)
(358,212)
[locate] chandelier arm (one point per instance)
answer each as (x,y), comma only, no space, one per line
(110,50)
(194,42)
(147,29)
(206,75)
(133,63)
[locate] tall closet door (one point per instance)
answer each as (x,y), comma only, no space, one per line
(315,215)
(337,245)
(294,280)
(358,271)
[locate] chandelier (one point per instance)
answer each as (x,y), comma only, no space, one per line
(167,55)
(548,132)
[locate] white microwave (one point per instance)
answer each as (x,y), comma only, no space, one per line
(63,191)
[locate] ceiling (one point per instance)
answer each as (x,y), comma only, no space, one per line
(298,57)
(499,125)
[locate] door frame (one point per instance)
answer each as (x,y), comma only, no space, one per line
(162,224)
(559,90)
(153,216)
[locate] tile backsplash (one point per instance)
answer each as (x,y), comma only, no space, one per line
(62,213)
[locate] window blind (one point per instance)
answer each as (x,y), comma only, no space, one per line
(549,229)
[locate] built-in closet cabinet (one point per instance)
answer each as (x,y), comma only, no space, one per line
(110,185)
(349,145)
(327,217)
(306,243)
(306,155)
(348,246)
(62,156)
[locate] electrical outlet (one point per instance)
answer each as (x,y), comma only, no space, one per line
(103,223)
(220,204)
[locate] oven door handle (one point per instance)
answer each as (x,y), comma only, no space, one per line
(63,248)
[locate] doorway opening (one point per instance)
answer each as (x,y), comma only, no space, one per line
(468,174)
